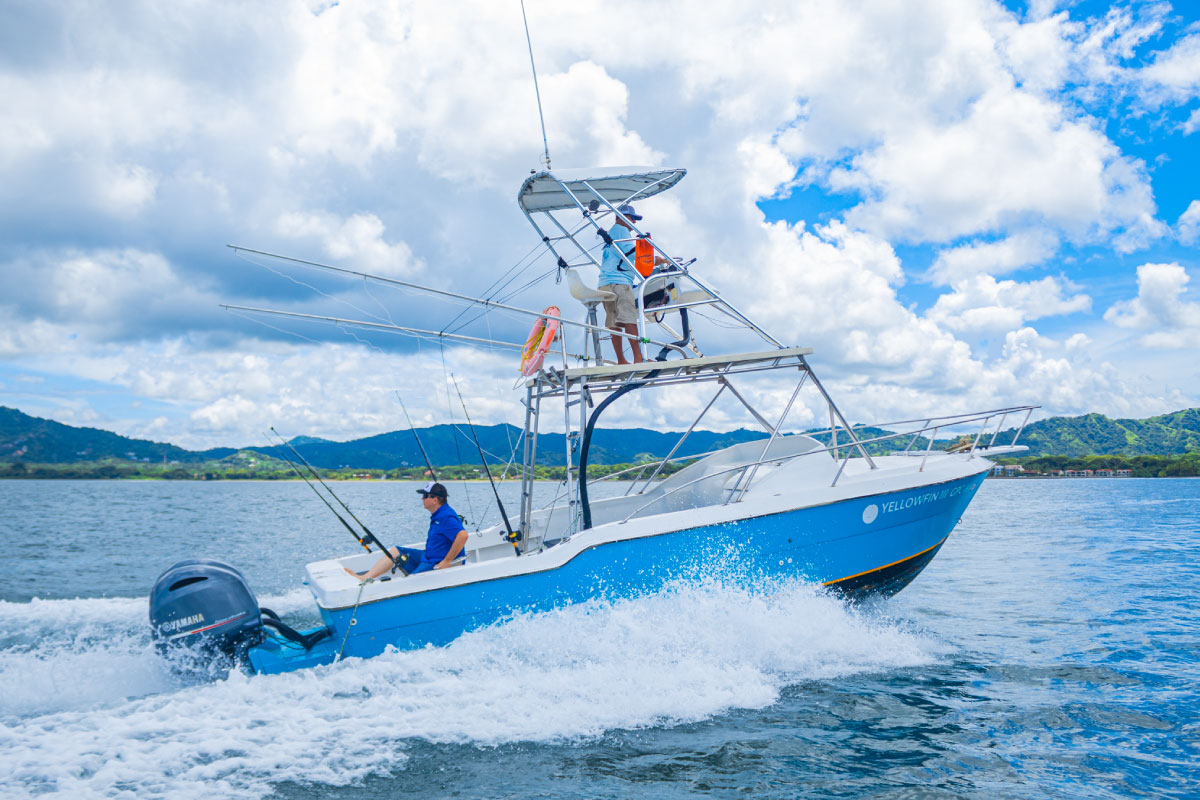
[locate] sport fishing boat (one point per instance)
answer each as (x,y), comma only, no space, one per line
(859,509)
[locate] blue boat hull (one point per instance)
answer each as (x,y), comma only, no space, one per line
(867,545)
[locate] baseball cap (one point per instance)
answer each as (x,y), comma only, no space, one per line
(433,490)
(628,211)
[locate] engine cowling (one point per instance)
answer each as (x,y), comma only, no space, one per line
(204,603)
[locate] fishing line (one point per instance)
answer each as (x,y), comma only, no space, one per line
(505,299)
(353,620)
(421,447)
(533,282)
(370,537)
(512,456)
(456,432)
(457,451)
(487,295)
(452,301)
(367,289)
(425,291)
(258,321)
(714,321)
(493,295)
(312,486)
(309,286)
(512,535)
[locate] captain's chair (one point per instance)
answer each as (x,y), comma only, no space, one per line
(591,298)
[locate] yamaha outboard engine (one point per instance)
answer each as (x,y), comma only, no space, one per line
(207,604)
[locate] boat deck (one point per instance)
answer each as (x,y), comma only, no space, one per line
(776,490)
(683,368)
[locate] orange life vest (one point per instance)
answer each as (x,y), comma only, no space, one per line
(643,258)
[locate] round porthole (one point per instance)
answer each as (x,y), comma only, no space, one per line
(870,513)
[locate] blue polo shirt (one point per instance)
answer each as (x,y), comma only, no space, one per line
(444,527)
(613,270)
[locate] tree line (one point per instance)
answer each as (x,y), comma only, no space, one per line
(271,470)
(1184,466)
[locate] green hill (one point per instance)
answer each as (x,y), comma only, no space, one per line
(31,440)
(1095,434)
(42,441)
(449,444)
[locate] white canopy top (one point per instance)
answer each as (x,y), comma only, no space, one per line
(544,191)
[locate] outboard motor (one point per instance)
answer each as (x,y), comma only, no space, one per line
(206,603)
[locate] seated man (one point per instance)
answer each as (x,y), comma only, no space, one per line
(443,544)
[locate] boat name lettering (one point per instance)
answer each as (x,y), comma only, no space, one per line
(919,499)
(182,622)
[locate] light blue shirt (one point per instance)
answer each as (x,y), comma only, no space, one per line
(612,268)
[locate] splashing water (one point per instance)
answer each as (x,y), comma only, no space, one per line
(89,709)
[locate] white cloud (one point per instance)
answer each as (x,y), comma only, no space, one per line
(1077,342)
(391,137)
(1160,309)
(230,396)
(1176,71)
(1102,48)
(835,289)
(1022,249)
(1039,51)
(1013,157)
(357,239)
(101,295)
(128,188)
(1188,226)
(984,305)
(1193,122)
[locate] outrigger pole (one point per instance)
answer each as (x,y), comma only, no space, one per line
(370,537)
(427,290)
(512,535)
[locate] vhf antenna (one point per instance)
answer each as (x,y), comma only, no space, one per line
(536,91)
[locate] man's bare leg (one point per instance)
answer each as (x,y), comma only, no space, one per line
(620,351)
(634,347)
(381,566)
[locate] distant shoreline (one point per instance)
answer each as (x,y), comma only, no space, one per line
(255,467)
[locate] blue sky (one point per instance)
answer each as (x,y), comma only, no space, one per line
(959,203)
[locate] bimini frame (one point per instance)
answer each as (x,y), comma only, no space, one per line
(595,194)
(562,206)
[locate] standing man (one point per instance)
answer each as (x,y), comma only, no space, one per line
(616,276)
(443,544)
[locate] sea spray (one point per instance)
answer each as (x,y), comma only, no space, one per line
(684,654)
(57,655)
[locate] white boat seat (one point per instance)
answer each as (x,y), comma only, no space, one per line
(584,293)
(692,296)
(656,282)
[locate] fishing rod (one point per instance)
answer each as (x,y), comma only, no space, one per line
(411,427)
(512,535)
(296,469)
(370,536)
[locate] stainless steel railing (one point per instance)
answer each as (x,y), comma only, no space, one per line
(968,448)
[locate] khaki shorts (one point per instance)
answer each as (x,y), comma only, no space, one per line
(621,311)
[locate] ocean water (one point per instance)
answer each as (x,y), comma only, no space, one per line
(1050,650)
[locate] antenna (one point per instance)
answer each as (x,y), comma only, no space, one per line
(532,66)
